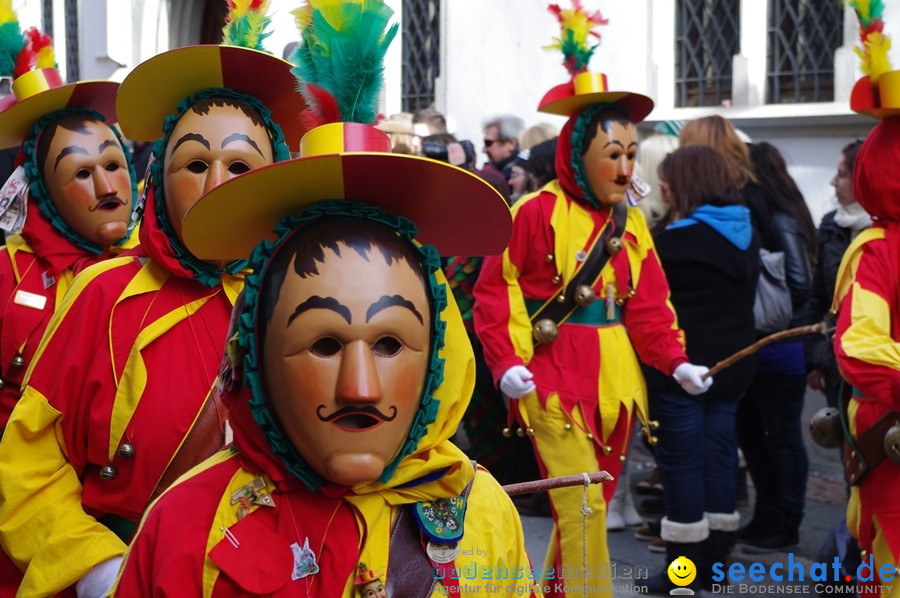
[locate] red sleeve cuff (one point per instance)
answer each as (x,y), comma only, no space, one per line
(504,365)
(677,362)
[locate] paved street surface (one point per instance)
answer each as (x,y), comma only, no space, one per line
(824,508)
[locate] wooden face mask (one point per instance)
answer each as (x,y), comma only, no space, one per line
(207,148)
(345,359)
(87,175)
(609,160)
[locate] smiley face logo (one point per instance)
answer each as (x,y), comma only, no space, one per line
(682,571)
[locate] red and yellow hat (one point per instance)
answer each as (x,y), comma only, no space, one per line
(365,576)
(346,158)
(585,88)
(878,93)
(154,89)
(37,87)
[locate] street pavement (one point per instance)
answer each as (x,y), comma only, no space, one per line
(824,508)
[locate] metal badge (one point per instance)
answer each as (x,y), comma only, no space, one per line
(32,300)
(442,553)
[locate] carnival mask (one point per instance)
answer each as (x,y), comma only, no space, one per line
(345,357)
(87,175)
(609,160)
(207,147)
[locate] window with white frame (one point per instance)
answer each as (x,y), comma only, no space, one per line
(707,36)
(802,38)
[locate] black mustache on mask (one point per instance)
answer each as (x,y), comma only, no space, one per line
(351,410)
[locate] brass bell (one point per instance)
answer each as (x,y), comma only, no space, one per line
(590,436)
(584,295)
(653,424)
(126,451)
(557,279)
(825,428)
(549,258)
(622,458)
(561,298)
(892,442)
(607,450)
(567,427)
(109,473)
(614,245)
(2,383)
(545,331)
(507,433)
(652,440)
(520,432)
(529,431)
(18,361)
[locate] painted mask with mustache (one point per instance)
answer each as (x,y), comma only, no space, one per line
(345,352)
(86,173)
(609,157)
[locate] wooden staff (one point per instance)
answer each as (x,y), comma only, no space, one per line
(772,338)
(564,482)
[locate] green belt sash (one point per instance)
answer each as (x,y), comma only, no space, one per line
(593,314)
(120,526)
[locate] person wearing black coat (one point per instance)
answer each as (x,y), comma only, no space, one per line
(710,256)
(769,428)
(836,231)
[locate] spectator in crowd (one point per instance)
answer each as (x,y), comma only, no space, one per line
(501,142)
(651,153)
(519,182)
(769,427)
(837,229)
(399,127)
(710,255)
(433,122)
(537,134)
(542,163)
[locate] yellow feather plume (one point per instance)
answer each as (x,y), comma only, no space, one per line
(7,14)
(46,58)
(874,60)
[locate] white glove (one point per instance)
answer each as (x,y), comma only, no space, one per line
(516,382)
(97,582)
(689,375)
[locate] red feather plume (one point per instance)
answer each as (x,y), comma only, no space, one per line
(35,41)
(324,108)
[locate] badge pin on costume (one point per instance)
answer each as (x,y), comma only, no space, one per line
(251,494)
(368,584)
(442,523)
(304,561)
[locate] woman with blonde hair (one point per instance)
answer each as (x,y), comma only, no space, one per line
(720,134)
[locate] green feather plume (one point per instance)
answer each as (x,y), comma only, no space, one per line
(343,48)
(11,43)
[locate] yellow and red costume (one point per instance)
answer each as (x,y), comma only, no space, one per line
(92,388)
(867,338)
(39,262)
(186,543)
(589,382)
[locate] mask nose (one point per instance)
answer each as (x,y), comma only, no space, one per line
(215,176)
(102,185)
(358,377)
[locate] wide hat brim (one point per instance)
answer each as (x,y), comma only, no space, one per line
(563,100)
(454,210)
(153,90)
(17,117)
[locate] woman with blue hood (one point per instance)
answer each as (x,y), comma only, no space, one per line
(710,256)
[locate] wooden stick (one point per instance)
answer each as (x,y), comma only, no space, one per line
(541,485)
(772,338)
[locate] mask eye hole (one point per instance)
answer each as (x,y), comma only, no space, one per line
(197,166)
(326,347)
(238,168)
(83,174)
(387,346)
(112,167)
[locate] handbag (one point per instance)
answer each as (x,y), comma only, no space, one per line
(772,310)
